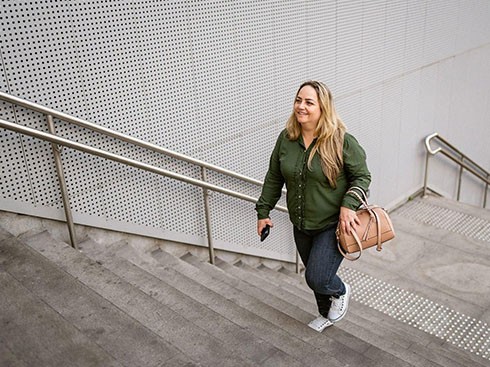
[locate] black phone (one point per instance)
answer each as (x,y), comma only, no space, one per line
(265,232)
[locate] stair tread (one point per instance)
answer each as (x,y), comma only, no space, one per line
(229,302)
(354,320)
(230,334)
(418,340)
(306,297)
(394,326)
(253,315)
(98,319)
(7,358)
(170,326)
(38,335)
(349,344)
(366,334)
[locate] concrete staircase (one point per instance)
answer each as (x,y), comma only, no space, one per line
(114,303)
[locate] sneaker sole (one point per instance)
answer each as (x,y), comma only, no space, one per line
(320,324)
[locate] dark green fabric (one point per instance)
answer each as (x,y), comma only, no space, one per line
(311,201)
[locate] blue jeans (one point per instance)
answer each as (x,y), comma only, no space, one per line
(321,257)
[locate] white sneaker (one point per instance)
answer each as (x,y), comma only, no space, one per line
(340,305)
(320,324)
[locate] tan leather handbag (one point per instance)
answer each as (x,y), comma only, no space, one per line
(375,228)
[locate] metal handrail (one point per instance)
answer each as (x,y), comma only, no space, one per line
(123,137)
(458,157)
(54,139)
(121,159)
(51,113)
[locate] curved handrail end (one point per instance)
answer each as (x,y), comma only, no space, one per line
(427,144)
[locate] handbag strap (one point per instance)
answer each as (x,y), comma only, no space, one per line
(378,228)
(346,255)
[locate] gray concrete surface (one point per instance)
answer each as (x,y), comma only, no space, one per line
(128,300)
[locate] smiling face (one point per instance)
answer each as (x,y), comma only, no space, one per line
(307,108)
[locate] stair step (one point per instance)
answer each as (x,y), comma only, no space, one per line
(427,341)
(7,358)
(379,335)
(4,234)
(279,280)
(40,336)
(34,332)
(299,289)
(389,326)
(194,342)
(233,305)
(231,335)
(98,319)
(346,345)
(253,315)
(306,299)
(365,334)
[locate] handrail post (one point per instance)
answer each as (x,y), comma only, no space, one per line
(62,182)
(486,192)
(424,194)
(208,217)
(460,177)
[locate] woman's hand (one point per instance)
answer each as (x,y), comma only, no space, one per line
(348,220)
(261,223)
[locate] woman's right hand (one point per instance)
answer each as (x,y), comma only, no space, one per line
(261,223)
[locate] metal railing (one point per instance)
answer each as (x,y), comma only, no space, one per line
(459,158)
(57,141)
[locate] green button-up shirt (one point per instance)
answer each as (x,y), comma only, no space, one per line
(312,203)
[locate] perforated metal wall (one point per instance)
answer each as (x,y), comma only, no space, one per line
(215,80)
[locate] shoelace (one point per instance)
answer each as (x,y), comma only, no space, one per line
(324,322)
(338,303)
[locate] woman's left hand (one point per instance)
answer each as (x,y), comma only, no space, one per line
(348,220)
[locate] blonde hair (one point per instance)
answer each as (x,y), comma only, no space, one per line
(329,131)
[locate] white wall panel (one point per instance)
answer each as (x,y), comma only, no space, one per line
(394,55)
(440,22)
(216,80)
(321,41)
(473,25)
(415,34)
(349,34)
(411,152)
(373,38)
(389,137)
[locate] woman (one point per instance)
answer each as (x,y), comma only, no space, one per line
(318,161)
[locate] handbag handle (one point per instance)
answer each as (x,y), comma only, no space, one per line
(364,201)
(372,212)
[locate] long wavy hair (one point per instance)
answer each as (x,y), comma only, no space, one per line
(329,131)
